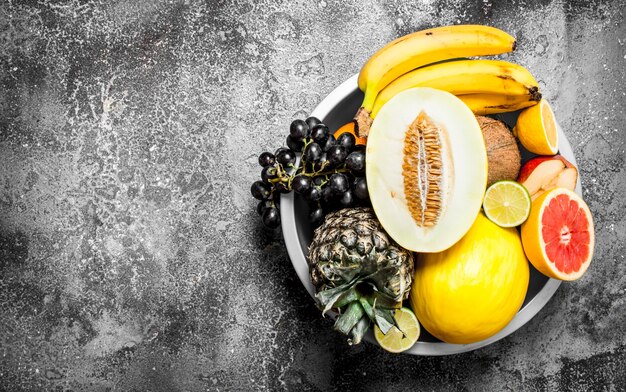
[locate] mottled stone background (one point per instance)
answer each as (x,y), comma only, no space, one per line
(131,255)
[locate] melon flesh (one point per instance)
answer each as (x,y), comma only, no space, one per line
(464,169)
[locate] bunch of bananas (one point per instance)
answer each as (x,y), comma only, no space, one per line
(437,58)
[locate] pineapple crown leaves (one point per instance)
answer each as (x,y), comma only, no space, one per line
(383,272)
(361,302)
(358,315)
(339,296)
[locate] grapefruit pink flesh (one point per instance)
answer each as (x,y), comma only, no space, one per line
(565,231)
(558,237)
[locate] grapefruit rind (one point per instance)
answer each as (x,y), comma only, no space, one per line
(534,242)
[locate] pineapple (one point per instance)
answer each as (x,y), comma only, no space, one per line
(358,270)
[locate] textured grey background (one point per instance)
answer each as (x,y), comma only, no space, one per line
(131,256)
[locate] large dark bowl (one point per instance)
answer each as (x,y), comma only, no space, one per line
(337,109)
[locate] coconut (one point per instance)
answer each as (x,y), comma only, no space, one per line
(503,156)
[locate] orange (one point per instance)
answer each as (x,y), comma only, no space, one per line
(536,129)
(558,237)
(349,127)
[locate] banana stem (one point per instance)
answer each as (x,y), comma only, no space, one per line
(370,97)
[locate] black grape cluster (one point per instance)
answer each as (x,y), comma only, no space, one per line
(330,176)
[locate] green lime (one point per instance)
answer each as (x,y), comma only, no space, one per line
(507,203)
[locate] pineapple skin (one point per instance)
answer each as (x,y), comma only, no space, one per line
(352,241)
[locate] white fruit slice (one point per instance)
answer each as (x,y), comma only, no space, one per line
(544,173)
(426,169)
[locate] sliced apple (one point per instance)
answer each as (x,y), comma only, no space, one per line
(543,173)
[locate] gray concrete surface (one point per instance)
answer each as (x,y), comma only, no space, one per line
(131,255)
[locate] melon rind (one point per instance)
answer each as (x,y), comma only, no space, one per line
(466,177)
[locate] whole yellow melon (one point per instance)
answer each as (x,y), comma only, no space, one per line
(472,290)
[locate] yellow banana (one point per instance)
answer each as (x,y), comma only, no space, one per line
(426,47)
(482,104)
(465,77)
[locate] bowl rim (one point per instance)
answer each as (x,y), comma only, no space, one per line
(299,262)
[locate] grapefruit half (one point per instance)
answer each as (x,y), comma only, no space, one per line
(558,237)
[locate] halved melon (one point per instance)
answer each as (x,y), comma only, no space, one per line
(426,169)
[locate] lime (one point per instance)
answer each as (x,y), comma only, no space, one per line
(507,203)
(398,340)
